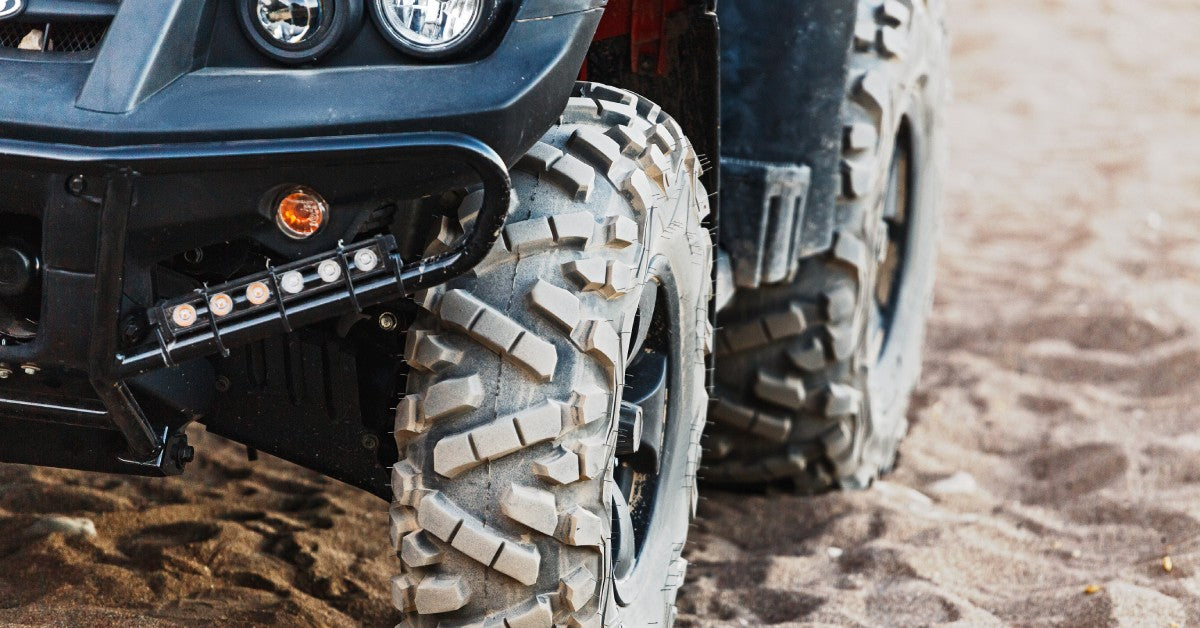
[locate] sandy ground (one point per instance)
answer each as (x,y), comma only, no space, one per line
(1054,451)
(1056,442)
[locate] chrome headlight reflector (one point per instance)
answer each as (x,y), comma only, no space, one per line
(291,22)
(434,28)
(299,31)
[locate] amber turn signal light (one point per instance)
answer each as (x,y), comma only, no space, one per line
(300,213)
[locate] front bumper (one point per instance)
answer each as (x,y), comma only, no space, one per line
(159,143)
(100,237)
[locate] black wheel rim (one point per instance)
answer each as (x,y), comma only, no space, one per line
(894,234)
(652,369)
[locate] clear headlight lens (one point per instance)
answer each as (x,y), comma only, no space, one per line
(430,24)
(291,22)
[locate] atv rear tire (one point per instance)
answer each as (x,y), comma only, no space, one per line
(814,375)
(505,499)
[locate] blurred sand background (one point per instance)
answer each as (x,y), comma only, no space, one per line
(1055,447)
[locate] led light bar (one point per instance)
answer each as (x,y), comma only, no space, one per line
(341,272)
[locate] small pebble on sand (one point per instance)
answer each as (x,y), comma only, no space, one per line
(69,526)
(960,483)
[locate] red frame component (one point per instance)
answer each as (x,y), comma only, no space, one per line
(645,22)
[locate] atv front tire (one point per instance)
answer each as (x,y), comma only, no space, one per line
(518,501)
(814,375)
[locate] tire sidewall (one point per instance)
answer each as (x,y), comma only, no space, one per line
(641,595)
(889,377)
(648,594)
(892,377)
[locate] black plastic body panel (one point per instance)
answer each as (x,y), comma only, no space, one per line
(783,82)
(149,86)
(297,396)
(51,10)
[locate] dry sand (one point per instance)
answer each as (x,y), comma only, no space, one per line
(1063,365)
(1055,441)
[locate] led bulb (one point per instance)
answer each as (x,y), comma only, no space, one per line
(221,304)
(329,271)
(257,293)
(184,315)
(292,282)
(366,260)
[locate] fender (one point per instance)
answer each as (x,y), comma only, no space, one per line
(783,81)
(669,52)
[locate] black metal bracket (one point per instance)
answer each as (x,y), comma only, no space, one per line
(357,290)
(145,446)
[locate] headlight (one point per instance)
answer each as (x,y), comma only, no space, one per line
(292,22)
(299,31)
(434,28)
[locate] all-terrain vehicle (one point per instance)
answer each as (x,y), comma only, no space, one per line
(467,255)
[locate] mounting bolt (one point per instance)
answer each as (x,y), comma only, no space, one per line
(133,329)
(388,321)
(370,441)
(77,185)
(186,454)
(30,369)
(223,384)
(5,371)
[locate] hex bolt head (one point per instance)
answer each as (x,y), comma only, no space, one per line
(223,384)
(186,454)
(5,371)
(388,321)
(133,329)
(30,369)
(370,441)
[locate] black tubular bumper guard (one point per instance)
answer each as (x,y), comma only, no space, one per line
(355,287)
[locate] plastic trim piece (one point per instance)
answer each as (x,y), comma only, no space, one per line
(765,233)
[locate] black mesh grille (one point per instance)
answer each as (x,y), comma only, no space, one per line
(63,37)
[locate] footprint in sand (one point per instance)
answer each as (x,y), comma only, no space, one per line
(149,544)
(1064,473)
(777,606)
